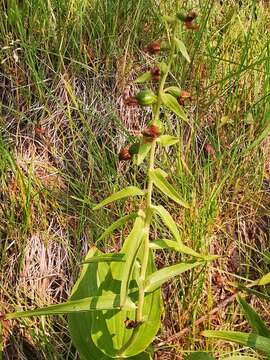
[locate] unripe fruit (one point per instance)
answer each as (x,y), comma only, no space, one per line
(134,149)
(146,97)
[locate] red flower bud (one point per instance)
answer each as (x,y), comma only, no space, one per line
(124,154)
(184,95)
(191,16)
(131,101)
(154,47)
(191,26)
(155,72)
(154,129)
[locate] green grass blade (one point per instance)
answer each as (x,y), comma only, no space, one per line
(255,341)
(128,191)
(253,318)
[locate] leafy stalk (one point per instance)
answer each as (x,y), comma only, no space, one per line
(148,211)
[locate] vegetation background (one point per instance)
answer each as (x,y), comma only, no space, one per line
(65,66)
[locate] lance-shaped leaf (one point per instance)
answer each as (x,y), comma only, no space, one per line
(182,48)
(106,302)
(131,248)
(254,319)
(171,103)
(173,90)
(167,140)
(143,151)
(155,280)
(118,257)
(199,355)
(92,331)
(255,341)
(264,280)
(173,245)
(162,184)
(164,244)
(145,77)
(128,191)
(116,225)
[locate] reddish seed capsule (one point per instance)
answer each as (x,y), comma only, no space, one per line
(155,72)
(124,154)
(152,131)
(191,26)
(191,16)
(131,101)
(2,316)
(184,95)
(154,47)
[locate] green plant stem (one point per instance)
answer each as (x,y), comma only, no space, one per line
(148,217)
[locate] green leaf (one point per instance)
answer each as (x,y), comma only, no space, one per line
(143,151)
(264,280)
(182,48)
(102,334)
(163,67)
(131,247)
(252,291)
(200,355)
(128,191)
(117,257)
(168,221)
(106,302)
(170,19)
(173,90)
(167,140)
(145,77)
(79,324)
(163,185)
(253,318)
(255,341)
(155,280)
(171,103)
(173,245)
(164,244)
(118,223)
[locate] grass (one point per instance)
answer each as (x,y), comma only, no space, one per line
(64,66)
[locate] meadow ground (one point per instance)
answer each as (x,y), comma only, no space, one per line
(65,66)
